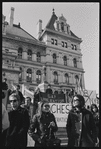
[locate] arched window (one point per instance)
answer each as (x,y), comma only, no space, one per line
(76,79)
(29,75)
(38,76)
(55,77)
(29,54)
(20,53)
(75,62)
(20,74)
(65,60)
(66,78)
(62,26)
(38,57)
(54,58)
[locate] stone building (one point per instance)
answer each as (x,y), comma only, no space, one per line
(55,47)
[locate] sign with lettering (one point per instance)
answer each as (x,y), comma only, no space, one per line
(60,111)
(54,98)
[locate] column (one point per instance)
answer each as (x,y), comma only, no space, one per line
(51,72)
(70,78)
(83,82)
(81,66)
(33,56)
(70,60)
(48,56)
(24,54)
(58,59)
(65,28)
(43,58)
(60,27)
(24,74)
(59,77)
(48,74)
(78,63)
(33,76)
(63,77)
(69,45)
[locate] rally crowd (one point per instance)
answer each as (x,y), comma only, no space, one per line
(36,120)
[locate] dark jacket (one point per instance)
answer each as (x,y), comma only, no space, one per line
(42,128)
(17,132)
(81,130)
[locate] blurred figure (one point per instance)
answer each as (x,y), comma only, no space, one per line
(19,124)
(95,112)
(88,107)
(29,106)
(49,90)
(37,98)
(41,123)
(5,121)
(81,129)
(18,92)
(4,84)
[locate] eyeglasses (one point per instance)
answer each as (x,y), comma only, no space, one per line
(13,100)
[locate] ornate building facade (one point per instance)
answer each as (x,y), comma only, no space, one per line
(55,47)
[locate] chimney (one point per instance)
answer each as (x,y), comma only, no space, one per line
(39,28)
(11,16)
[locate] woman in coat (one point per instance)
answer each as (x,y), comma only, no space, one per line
(81,129)
(19,123)
(42,123)
(95,112)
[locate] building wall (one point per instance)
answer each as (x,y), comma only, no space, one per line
(13,43)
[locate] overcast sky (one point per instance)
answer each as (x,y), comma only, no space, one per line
(83,19)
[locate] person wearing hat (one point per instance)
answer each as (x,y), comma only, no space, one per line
(19,123)
(80,126)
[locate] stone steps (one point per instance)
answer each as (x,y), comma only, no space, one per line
(62,135)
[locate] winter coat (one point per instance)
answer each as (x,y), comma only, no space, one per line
(5,119)
(42,128)
(81,130)
(96,118)
(17,132)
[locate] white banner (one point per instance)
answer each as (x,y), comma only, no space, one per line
(60,111)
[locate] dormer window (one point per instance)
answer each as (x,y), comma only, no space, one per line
(52,41)
(62,26)
(62,44)
(55,42)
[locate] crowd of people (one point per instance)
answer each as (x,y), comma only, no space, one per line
(35,119)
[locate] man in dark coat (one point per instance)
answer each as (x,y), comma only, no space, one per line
(19,124)
(81,130)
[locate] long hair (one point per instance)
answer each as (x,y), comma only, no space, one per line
(92,106)
(40,106)
(81,99)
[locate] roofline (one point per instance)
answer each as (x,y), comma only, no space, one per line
(26,40)
(59,33)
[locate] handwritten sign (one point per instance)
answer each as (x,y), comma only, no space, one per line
(60,111)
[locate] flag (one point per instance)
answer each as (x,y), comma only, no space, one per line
(28,93)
